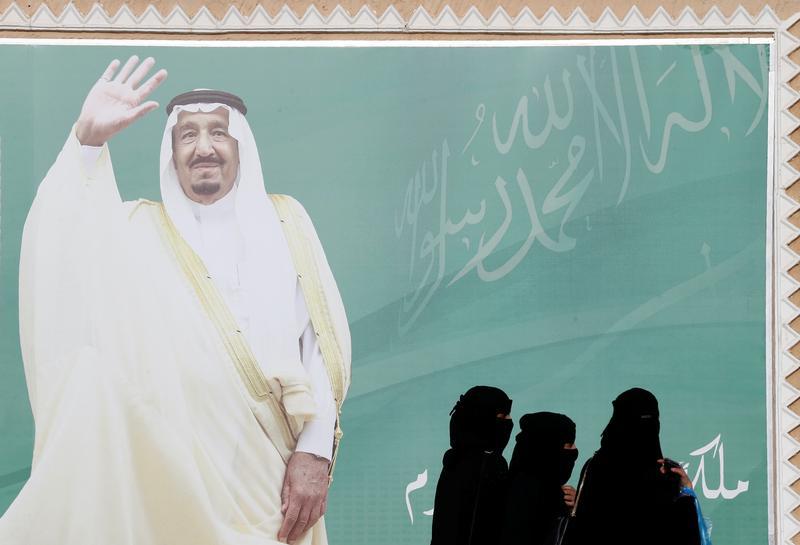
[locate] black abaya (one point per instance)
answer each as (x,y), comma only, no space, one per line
(539,467)
(469,492)
(626,499)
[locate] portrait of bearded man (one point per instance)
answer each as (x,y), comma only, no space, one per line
(186,360)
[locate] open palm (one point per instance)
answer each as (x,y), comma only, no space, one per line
(113,103)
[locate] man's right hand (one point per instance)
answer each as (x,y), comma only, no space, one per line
(116,102)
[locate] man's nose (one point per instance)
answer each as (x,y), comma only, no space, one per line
(203,146)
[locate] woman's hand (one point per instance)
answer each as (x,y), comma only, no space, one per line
(685,481)
(569,495)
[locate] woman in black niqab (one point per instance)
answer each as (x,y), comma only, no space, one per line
(626,498)
(469,492)
(540,466)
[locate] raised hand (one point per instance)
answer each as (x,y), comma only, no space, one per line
(113,103)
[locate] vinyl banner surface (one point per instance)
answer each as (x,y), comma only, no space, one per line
(562,222)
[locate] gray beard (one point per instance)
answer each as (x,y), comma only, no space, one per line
(206,188)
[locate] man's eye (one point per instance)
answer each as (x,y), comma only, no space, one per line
(219,134)
(188,136)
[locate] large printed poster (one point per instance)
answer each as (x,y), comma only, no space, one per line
(563,222)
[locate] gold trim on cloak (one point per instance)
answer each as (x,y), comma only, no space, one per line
(232,337)
(314,293)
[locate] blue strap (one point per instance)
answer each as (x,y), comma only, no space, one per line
(705,534)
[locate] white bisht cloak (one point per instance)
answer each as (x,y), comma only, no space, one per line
(154,424)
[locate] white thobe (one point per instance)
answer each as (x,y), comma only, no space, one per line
(155,424)
(222,251)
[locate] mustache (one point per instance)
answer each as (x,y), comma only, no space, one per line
(200,160)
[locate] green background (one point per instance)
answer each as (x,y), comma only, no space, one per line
(657,281)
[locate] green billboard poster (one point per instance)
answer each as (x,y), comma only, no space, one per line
(564,222)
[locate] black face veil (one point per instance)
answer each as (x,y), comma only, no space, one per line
(469,494)
(632,432)
(540,447)
(474,423)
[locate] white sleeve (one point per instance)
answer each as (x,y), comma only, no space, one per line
(317,435)
(68,254)
(90,155)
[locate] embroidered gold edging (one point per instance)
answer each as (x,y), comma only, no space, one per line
(216,309)
(317,303)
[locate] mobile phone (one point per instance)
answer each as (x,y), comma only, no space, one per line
(669,464)
(673,478)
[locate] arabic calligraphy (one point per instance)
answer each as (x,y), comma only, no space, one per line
(528,199)
(520,119)
(432,247)
(717,450)
(416,484)
(554,201)
(676,119)
(733,68)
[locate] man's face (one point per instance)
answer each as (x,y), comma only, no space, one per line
(205,155)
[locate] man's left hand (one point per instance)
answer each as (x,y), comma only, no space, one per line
(304,494)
